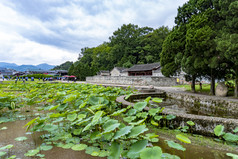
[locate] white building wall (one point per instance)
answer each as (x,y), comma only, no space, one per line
(157,73)
(115,72)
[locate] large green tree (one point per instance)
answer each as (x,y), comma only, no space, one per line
(227,42)
(125,43)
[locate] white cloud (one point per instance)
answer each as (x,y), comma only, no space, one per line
(30,38)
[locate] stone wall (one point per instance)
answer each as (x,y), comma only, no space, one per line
(203,124)
(133,80)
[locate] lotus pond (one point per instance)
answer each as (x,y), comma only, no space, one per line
(84,121)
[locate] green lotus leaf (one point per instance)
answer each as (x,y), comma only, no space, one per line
(122,132)
(103,153)
(77,131)
(175,145)
(135,131)
(96,117)
(157,100)
(170,117)
(142,115)
(236,130)
(79,147)
(40,155)
(119,112)
(109,122)
(21,138)
(46,147)
(84,121)
(58,119)
(82,105)
(234,156)
(107,136)
(147,99)
(169,156)
(129,119)
(154,111)
(31,122)
(140,106)
(131,112)
(158,117)
(32,152)
(138,122)
(97,100)
(72,117)
(152,135)
(3,128)
(67,146)
(87,127)
(183,138)
(54,107)
(6,147)
(91,149)
(81,117)
(97,107)
(230,137)
(111,127)
(11,157)
(2,153)
(49,127)
(219,130)
(136,148)
(190,123)
(151,153)
(115,151)
(154,123)
(69,98)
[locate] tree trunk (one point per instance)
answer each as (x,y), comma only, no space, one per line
(236,86)
(212,88)
(193,83)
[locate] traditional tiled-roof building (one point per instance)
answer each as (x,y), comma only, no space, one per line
(153,69)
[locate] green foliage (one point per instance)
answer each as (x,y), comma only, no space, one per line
(122,132)
(115,151)
(21,138)
(136,148)
(151,153)
(88,114)
(183,138)
(140,106)
(219,130)
(175,145)
(79,147)
(234,156)
(64,66)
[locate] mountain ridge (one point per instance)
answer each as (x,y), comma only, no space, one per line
(43,66)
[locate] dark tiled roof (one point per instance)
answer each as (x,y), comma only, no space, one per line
(104,71)
(120,68)
(144,67)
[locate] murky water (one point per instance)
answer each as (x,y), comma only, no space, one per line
(15,129)
(193,108)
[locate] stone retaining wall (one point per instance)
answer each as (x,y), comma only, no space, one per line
(211,102)
(133,80)
(203,124)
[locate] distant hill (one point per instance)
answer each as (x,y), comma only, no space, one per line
(43,66)
(8,65)
(63,66)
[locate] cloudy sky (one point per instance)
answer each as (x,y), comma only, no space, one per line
(54,31)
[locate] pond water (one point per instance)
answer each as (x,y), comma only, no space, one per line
(193,108)
(15,129)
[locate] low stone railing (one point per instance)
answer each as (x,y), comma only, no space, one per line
(203,124)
